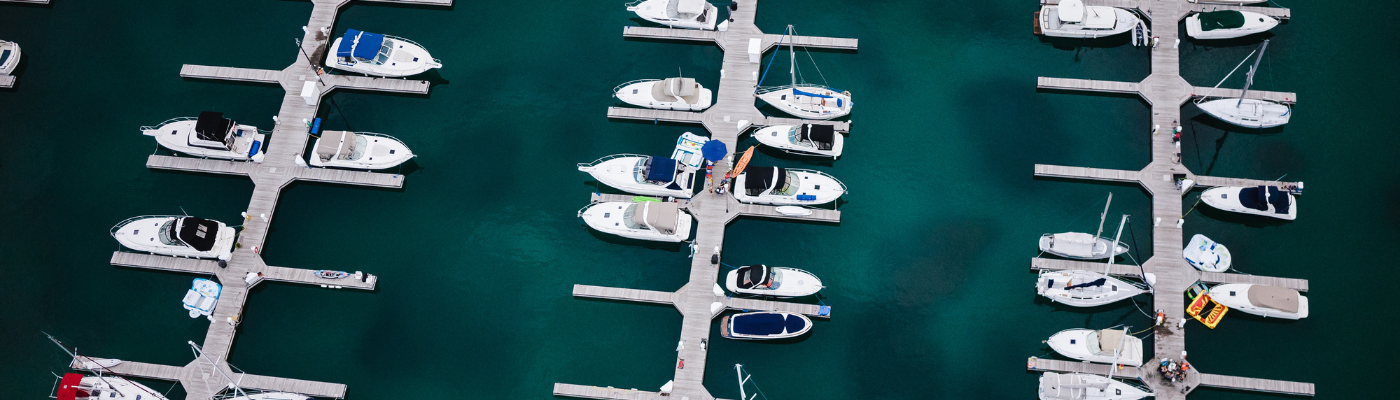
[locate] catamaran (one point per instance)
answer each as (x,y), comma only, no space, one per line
(688,14)
(174,235)
(210,135)
(1206,254)
(1227,24)
(1261,300)
(1081,246)
(682,94)
(639,219)
(379,55)
(786,186)
(359,150)
(1268,201)
(9,57)
(1071,19)
(806,101)
(807,139)
(1108,346)
(772,281)
(1248,113)
(1079,288)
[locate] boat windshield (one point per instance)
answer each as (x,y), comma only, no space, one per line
(167,234)
(384,51)
(358,151)
(627,218)
(789,187)
(795,136)
(775,277)
(1093,344)
(640,170)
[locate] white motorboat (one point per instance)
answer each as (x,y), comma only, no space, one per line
(180,236)
(210,135)
(784,186)
(202,297)
(1206,254)
(1227,24)
(1058,386)
(682,94)
(1265,301)
(647,175)
(1244,112)
(1082,246)
(687,14)
(810,139)
(9,57)
(359,150)
(1107,346)
(1268,201)
(1079,288)
(764,325)
(644,220)
(379,55)
(806,101)
(1072,19)
(772,281)
(80,387)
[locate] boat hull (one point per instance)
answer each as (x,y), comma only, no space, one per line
(777,137)
(1250,113)
(1055,285)
(141,235)
(382,152)
(1052,27)
(1079,246)
(834,105)
(639,94)
(175,136)
(1075,343)
(655,11)
(607,217)
(795,283)
(1253,23)
(729,328)
(824,188)
(1227,199)
(407,59)
(1058,386)
(1236,296)
(620,173)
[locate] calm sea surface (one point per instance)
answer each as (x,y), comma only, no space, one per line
(928,272)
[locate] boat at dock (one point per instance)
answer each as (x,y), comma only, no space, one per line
(359,150)
(179,236)
(806,139)
(1206,254)
(1227,24)
(379,55)
(1072,19)
(1267,201)
(682,94)
(1082,246)
(74,386)
(642,220)
(764,325)
(646,175)
(1107,346)
(202,297)
(805,100)
(1076,386)
(779,282)
(687,14)
(9,57)
(784,186)
(1080,288)
(1243,112)
(1261,300)
(210,135)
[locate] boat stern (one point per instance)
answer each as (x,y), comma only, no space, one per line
(223,245)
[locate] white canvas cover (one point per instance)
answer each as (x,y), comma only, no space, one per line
(1277,298)
(1100,18)
(1071,10)
(1108,340)
(661,216)
(694,6)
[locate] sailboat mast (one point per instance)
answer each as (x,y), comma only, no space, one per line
(739,370)
(1103,216)
(792,59)
(1113,247)
(1249,78)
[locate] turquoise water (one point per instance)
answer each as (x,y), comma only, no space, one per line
(927,273)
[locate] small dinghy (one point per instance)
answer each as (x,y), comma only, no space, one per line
(202,297)
(1264,301)
(328,274)
(1206,254)
(1228,24)
(1268,201)
(764,325)
(772,281)
(1107,346)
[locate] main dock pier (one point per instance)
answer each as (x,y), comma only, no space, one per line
(282,165)
(701,299)
(1166,92)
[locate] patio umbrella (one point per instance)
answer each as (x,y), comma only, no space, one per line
(714,150)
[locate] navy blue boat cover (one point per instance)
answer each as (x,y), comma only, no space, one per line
(359,44)
(802,93)
(1254,198)
(1279,199)
(661,169)
(766,323)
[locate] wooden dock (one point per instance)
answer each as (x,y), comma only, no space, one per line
(194,375)
(734,102)
(1166,91)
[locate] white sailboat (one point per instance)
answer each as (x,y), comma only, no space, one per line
(1079,288)
(1076,386)
(1248,113)
(74,386)
(806,101)
(1081,246)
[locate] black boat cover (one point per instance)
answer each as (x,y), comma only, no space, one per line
(766,323)
(1254,198)
(198,233)
(1280,199)
(822,135)
(753,275)
(212,126)
(758,179)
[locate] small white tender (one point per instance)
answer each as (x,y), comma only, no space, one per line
(379,55)
(1266,301)
(9,57)
(179,236)
(1268,201)
(783,186)
(1072,19)
(645,220)
(808,139)
(202,297)
(1227,24)
(764,325)
(682,94)
(1098,345)
(688,14)
(1206,254)
(772,281)
(1058,386)
(210,135)
(359,150)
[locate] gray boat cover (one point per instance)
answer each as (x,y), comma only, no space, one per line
(329,145)
(1277,298)
(661,216)
(669,89)
(1062,386)
(1109,339)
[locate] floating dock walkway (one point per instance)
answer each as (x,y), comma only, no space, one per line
(1166,92)
(282,165)
(699,301)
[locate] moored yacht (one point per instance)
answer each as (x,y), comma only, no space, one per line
(805,100)
(772,281)
(1058,386)
(180,236)
(1072,19)
(79,387)
(379,55)
(1248,113)
(643,220)
(9,57)
(1261,300)
(1227,24)
(764,325)
(359,150)
(784,186)
(1080,288)
(688,14)
(1268,201)
(682,94)
(1107,346)
(1206,254)
(810,139)
(1082,246)
(210,135)
(639,174)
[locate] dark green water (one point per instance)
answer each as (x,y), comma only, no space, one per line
(927,273)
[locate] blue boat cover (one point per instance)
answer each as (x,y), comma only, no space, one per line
(254,151)
(359,44)
(802,93)
(661,169)
(757,324)
(1254,198)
